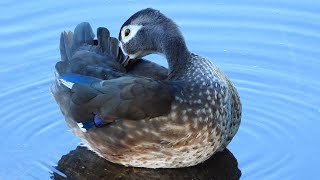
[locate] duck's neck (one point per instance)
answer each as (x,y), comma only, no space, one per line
(177,55)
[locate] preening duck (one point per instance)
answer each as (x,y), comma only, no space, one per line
(152,119)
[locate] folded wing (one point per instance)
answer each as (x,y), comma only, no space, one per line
(122,98)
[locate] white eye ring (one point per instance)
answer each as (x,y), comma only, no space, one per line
(133,29)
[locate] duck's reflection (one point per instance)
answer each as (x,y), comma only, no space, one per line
(84,164)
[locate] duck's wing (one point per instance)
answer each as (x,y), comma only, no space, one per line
(122,98)
(81,54)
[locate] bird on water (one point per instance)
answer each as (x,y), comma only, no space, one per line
(141,120)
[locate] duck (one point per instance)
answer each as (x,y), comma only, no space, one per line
(132,113)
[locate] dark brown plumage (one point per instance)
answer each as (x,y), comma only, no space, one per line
(123,98)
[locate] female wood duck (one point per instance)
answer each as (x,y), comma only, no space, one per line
(140,117)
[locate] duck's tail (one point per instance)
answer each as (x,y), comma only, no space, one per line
(107,44)
(83,35)
(82,54)
(71,42)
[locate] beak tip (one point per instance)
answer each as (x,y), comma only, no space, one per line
(126,61)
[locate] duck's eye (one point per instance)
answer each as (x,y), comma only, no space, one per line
(126,32)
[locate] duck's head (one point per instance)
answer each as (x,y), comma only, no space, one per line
(149,31)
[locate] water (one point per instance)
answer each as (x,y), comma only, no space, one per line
(269,49)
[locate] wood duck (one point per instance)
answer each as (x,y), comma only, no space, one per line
(143,117)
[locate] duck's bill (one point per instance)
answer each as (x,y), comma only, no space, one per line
(126,61)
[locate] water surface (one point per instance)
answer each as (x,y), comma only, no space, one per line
(269,49)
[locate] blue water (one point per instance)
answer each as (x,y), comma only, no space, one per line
(269,49)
